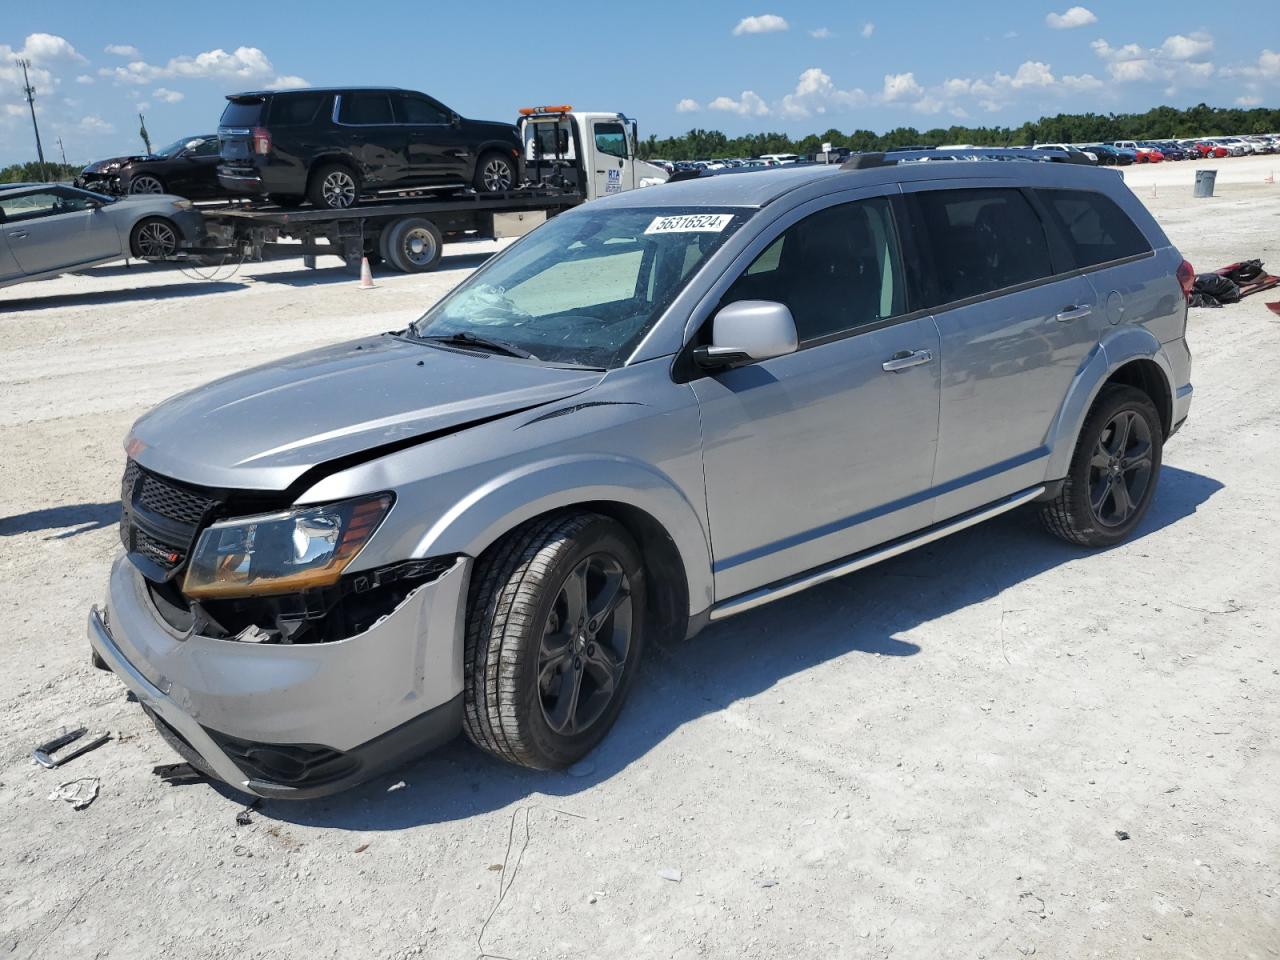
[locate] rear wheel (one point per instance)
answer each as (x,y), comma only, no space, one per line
(553,638)
(146,183)
(154,238)
(495,173)
(333,187)
(412,245)
(1113,471)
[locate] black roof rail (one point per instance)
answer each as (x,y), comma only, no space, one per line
(862,161)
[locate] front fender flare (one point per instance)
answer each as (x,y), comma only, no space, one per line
(1122,346)
(482,517)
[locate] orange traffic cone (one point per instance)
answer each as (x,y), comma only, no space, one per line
(1270,178)
(366,275)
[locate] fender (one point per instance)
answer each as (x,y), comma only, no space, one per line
(491,510)
(1122,345)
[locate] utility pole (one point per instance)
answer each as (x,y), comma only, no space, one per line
(62,150)
(30,91)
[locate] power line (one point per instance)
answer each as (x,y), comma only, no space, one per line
(30,91)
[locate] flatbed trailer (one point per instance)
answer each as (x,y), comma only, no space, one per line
(407,234)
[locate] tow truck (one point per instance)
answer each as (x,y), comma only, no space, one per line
(570,157)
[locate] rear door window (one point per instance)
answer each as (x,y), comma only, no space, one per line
(1097,230)
(295,109)
(242,113)
(980,240)
(365,109)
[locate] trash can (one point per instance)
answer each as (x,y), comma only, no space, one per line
(1204,182)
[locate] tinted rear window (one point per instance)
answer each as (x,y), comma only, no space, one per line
(1097,230)
(242,113)
(365,108)
(295,109)
(980,240)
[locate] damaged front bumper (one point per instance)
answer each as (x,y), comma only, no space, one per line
(294,721)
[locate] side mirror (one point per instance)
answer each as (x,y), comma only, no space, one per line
(455,119)
(747,332)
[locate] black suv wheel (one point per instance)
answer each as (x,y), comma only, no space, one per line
(495,173)
(334,187)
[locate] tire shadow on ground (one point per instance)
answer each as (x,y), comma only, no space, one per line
(738,658)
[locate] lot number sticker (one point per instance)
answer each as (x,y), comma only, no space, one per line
(690,223)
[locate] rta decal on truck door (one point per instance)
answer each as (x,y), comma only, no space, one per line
(614,184)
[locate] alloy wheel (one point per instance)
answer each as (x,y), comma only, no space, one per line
(1120,468)
(145,184)
(584,645)
(338,189)
(497,176)
(156,241)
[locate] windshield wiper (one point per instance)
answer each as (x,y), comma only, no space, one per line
(466,339)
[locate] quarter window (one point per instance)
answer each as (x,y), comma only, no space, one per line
(980,240)
(365,109)
(836,270)
(295,109)
(1097,230)
(611,138)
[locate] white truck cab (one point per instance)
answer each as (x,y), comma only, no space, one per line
(593,152)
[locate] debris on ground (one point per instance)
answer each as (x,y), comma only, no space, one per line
(175,774)
(79,793)
(1122,835)
(361,849)
(242,818)
(670,873)
(1231,283)
(44,753)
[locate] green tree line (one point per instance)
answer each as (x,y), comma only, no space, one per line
(1158,123)
(34,172)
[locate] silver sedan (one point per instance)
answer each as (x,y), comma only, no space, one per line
(47,229)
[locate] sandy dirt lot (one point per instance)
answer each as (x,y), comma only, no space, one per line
(931,758)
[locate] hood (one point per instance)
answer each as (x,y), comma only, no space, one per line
(264,428)
(115,163)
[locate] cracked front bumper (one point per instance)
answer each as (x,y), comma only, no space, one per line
(294,721)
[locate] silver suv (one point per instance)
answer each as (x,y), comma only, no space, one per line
(657,410)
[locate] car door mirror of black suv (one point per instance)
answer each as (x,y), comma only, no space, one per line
(748,331)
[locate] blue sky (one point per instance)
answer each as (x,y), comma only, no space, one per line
(737,66)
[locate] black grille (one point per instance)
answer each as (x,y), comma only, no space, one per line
(287,764)
(159,520)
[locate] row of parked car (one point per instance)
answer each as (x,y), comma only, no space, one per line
(1125,152)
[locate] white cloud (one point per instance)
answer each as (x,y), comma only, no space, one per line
(166,95)
(1082,83)
(49,48)
(765,23)
(1269,64)
(688,105)
(1033,73)
(1070,19)
(1193,47)
(815,92)
(868,29)
(1249,101)
(1010,35)
(94,125)
(748,105)
(84,78)
(900,86)
(928,104)
(822,33)
(122,50)
(287,82)
(243,65)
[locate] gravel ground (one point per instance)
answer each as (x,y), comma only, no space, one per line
(931,758)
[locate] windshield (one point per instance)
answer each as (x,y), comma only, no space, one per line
(173,149)
(586,287)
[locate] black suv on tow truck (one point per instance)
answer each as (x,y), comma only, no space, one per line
(333,146)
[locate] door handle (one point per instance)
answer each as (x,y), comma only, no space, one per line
(1074,313)
(906,358)
(18,235)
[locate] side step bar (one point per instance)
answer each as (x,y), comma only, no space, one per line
(785,588)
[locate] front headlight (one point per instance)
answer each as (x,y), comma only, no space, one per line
(182,205)
(282,552)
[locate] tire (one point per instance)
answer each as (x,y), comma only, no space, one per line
(333,186)
(516,705)
(1113,475)
(153,238)
(412,245)
(495,173)
(146,183)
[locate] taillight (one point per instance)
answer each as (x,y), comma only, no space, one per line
(261,141)
(1186,277)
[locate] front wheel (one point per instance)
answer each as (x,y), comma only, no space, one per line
(495,173)
(154,238)
(1113,471)
(555,625)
